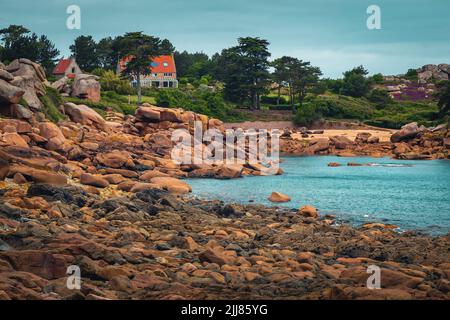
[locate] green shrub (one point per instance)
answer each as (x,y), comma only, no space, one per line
(411,74)
(308,114)
(377,78)
(380,98)
(200,101)
(320,88)
(109,81)
(273,100)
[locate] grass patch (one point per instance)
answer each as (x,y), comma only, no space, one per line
(51,101)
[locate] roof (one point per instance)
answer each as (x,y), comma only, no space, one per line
(163,64)
(62,66)
(159,64)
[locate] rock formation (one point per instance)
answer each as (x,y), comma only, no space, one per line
(83,86)
(104,195)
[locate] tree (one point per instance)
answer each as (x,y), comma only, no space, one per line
(84,51)
(299,76)
(167,47)
(444,98)
(355,82)
(47,54)
(193,65)
(105,54)
(377,78)
(18,43)
(246,70)
(305,77)
(235,79)
(280,74)
(141,49)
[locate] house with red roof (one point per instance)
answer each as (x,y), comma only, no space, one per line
(66,68)
(162,72)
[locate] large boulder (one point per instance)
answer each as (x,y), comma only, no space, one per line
(86,86)
(317,145)
(13,139)
(84,115)
(279,197)
(62,85)
(53,134)
(171,115)
(407,132)
(94,180)
(308,211)
(231,171)
(173,185)
(37,175)
(340,142)
(10,94)
(432,71)
(363,137)
(30,77)
(147,113)
(5,75)
(114,159)
(444,68)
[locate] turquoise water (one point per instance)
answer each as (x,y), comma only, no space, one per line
(414,195)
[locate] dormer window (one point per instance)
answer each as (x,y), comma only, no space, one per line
(165,64)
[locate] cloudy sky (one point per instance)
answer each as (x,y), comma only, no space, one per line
(332,34)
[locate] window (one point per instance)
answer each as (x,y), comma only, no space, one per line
(154,64)
(165,64)
(167,74)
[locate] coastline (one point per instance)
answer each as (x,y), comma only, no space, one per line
(106,197)
(153,245)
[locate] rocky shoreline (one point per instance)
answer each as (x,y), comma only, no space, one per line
(155,245)
(104,195)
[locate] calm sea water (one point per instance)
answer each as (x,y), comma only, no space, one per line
(414,195)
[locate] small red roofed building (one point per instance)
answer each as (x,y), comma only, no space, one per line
(162,73)
(66,67)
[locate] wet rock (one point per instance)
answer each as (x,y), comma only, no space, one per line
(92,180)
(229,172)
(279,197)
(308,211)
(334,164)
(65,194)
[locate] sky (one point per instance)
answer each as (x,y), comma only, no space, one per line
(331,34)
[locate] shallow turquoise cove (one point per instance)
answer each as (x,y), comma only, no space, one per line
(414,195)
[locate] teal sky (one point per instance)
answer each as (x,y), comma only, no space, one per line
(332,34)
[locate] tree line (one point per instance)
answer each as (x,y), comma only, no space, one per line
(246,71)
